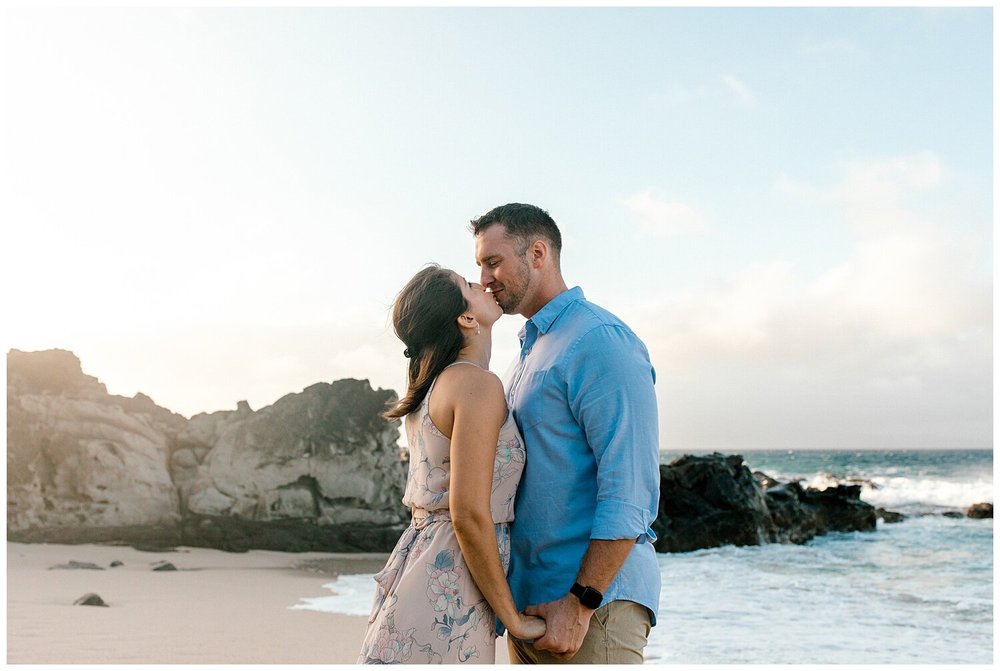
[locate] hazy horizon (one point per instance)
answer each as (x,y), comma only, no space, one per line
(663,449)
(792,207)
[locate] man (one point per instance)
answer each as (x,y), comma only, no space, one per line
(582,395)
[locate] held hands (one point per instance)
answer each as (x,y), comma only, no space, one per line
(566,624)
(528,627)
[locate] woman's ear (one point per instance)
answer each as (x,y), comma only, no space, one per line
(468,321)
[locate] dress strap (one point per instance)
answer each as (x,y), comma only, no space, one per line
(458,361)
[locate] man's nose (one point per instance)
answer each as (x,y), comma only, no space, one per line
(485,277)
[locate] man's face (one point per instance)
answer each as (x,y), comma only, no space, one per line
(504,268)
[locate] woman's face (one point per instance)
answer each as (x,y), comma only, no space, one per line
(481,303)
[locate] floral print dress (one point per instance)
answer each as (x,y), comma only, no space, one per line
(427,606)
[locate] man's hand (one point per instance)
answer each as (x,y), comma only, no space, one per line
(566,624)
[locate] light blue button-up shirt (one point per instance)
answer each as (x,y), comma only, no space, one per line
(582,395)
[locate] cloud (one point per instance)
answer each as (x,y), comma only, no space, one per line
(726,88)
(891,346)
(742,92)
(871,195)
(665,218)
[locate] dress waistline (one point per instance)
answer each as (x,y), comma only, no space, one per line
(421,517)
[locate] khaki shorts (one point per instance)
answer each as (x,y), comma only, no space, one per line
(617,635)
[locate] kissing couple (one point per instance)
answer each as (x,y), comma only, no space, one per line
(532,498)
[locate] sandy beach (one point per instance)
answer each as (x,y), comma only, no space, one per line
(218,607)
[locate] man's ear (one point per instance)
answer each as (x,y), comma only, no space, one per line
(539,251)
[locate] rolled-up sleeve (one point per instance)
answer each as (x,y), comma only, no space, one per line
(610,390)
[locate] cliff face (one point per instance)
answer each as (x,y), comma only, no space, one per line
(323,455)
(303,473)
(79,456)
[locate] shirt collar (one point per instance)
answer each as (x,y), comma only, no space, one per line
(547,316)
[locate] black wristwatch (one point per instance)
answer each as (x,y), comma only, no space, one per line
(588,596)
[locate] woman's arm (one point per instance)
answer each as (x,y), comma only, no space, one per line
(479,411)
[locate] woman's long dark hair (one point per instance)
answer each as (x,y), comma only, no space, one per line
(424,317)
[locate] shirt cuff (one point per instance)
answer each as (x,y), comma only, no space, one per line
(617,520)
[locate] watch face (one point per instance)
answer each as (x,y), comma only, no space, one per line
(588,596)
(591,598)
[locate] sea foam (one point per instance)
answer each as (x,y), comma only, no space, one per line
(352,595)
(903,492)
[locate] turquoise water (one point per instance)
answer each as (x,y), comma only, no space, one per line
(917,592)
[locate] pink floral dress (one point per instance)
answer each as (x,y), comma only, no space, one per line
(428,609)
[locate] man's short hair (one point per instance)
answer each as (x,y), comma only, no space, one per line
(523,222)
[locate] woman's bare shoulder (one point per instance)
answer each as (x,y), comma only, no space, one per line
(470,383)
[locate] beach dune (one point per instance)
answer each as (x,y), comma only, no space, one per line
(217,607)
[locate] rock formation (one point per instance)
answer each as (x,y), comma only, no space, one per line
(90,599)
(77,456)
(707,501)
(164,566)
(73,564)
(888,516)
(713,500)
(980,511)
(317,470)
(323,455)
(814,512)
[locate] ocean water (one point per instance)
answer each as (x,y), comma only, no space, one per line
(916,592)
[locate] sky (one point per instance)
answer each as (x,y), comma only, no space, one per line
(792,207)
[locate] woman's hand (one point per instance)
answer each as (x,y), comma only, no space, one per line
(527,627)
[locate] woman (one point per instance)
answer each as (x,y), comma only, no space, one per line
(445,583)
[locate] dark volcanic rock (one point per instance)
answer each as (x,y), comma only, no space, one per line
(714,500)
(238,535)
(764,480)
(793,521)
(165,566)
(980,511)
(840,508)
(709,501)
(73,564)
(888,516)
(90,599)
